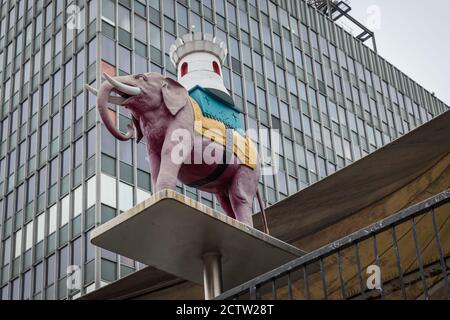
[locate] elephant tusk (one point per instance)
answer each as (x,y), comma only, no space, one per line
(129,90)
(91,89)
(113,100)
(117,100)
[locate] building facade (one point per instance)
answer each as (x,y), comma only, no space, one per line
(290,68)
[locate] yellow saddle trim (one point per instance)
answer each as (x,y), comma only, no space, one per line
(243,147)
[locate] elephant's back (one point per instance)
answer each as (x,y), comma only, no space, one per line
(208,170)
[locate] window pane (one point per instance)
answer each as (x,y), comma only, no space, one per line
(52,219)
(65,208)
(108,10)
(91,192)
(108,191)
(18,243)
(124,59)
(28,236)
(125,197)
(40,228)
(78,201)
(124,18)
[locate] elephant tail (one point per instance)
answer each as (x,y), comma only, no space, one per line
(263,213)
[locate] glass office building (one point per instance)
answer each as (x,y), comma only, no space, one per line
(61,173)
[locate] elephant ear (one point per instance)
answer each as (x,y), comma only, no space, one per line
(139,133)
(174,95)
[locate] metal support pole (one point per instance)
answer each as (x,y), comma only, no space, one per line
(212,274)
(374,42)
(329,9)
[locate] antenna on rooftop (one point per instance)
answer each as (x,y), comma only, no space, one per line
(338,9)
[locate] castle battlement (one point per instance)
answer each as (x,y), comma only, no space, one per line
(198,58)
(197,42)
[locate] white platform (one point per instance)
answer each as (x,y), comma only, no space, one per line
(171,232)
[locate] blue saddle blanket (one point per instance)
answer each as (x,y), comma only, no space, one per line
(214,107)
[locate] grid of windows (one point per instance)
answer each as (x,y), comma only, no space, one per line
(48,147)
(61,173)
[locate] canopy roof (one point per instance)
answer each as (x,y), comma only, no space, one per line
(362,183)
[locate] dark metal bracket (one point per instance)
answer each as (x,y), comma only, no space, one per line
(336,10)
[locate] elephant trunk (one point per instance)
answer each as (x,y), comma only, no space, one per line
(102,104)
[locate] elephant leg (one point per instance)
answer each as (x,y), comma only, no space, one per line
(242,191)
(242,208)
(168,175)
(169,168)
(155,163)
(241,201)
(225,203)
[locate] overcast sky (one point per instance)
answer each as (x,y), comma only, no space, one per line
(414,35)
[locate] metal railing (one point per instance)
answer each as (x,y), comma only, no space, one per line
(405,256)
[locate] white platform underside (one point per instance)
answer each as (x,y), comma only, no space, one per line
(172,232)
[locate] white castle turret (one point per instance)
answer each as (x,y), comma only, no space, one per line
(199,59)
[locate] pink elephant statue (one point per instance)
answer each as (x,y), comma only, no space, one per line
(161,107)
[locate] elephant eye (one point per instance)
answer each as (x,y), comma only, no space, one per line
(141,76)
